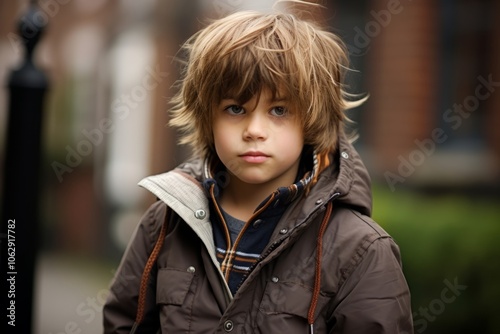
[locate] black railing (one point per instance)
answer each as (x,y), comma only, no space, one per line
(20,220)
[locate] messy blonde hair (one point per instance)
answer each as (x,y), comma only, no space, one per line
(245,52)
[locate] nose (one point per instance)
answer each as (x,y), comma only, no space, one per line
(255,127)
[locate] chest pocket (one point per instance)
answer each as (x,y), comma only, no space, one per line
(172,286)
(287,304)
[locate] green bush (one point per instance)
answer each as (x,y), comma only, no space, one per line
(446,241)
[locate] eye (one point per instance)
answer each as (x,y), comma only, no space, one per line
(279,111)
(234,110)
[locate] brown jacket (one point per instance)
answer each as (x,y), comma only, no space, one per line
(352,283)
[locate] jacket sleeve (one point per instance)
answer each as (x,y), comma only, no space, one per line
(120,309)
(375,298)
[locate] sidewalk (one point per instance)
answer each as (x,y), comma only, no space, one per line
(69,294)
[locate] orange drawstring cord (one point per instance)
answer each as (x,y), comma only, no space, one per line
(317,273)
(141,303)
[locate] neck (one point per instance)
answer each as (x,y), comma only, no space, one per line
(240,199)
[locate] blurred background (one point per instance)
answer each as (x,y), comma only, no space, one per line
(428,135)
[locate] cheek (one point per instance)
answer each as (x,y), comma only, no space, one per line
(292,142)
(221,138)
(293,136)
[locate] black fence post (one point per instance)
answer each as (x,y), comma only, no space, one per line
(20,231)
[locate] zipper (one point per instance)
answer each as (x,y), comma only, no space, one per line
(231,247)
(275,244)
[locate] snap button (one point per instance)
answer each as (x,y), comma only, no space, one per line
(344,155)
(200,214)
(319,201)
(228,326)
(257,223)
(283,231)
(191,269)
(275,279)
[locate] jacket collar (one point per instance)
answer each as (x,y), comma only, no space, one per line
(351,178)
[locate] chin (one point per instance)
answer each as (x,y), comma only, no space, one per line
(252,179)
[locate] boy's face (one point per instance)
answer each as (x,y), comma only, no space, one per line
(259,142)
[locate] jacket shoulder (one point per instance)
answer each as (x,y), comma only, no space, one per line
(358,237)
(371,278)
(153,218)
(356,226)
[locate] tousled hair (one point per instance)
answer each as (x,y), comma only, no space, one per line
(240,55)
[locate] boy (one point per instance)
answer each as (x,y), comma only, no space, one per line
(267,229)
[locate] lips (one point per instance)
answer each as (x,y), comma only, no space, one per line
(254,156)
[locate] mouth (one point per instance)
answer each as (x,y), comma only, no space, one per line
(254,156)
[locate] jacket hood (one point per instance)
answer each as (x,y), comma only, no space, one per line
(348,176)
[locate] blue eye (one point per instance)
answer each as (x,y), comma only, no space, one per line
(279,111)
(234,109)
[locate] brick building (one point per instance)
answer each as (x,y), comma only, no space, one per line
(433,74)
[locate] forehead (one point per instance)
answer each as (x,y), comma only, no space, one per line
(264,94)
